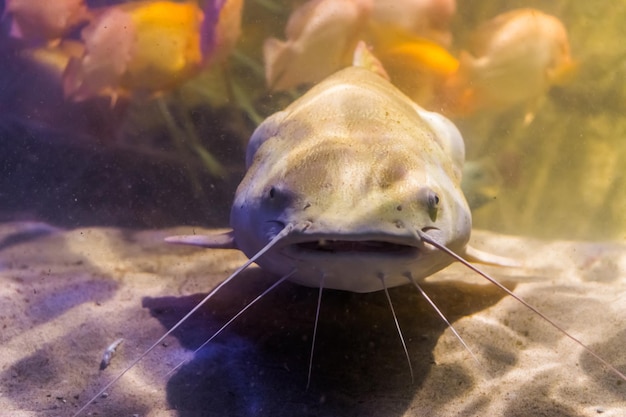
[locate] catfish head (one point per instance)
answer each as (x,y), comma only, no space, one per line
(355,170)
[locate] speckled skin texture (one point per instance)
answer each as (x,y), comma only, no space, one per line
(356,160)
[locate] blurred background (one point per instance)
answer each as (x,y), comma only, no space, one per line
(85,143)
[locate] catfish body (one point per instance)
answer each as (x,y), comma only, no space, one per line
(356,167)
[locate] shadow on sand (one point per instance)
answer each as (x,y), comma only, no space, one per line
(259,365)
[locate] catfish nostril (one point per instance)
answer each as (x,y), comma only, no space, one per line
(399,207)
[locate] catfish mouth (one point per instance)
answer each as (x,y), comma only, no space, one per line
(347,247)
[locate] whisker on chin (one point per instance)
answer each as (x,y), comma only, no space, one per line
(424,237)
(443,317)
(235,317)
(395,319)
(317,316)
(279,236)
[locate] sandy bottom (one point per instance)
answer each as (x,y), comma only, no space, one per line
(65,295)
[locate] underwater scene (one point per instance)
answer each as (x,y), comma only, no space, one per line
(312,208)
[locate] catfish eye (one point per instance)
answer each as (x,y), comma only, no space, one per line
(430,201)
(278,196)
(433,201)
(433,205)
